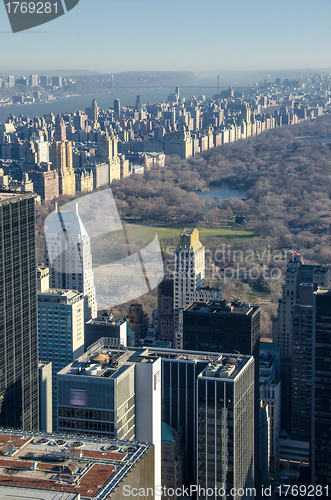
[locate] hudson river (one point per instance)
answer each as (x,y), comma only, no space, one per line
(71,104)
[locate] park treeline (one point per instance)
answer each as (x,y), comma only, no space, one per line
(287,180)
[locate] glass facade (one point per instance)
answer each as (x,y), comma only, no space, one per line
(19,385)
(225,429)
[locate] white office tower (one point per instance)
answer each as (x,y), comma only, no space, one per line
(189,278)
(67,254)
(189,274)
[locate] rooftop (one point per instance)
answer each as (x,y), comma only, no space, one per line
(59,295)
(269,346)
(6,196)
(167,433)
(91,467)
(226,367)
(103,359)
(221,307)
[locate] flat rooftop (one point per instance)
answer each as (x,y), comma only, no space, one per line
(6,492)
(63,465)
(6,196)
(59,295)
(222,307)
(227,367)
(109,361)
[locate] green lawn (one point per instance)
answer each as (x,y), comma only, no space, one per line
(221,232)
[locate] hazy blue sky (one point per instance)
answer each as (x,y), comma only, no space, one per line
(117,35)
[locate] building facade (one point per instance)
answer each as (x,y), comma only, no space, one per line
(166,309)
(297,273)
(19,382)
(61,331)
(172,459)
(67,254)
(189,274)
(225,420)
(229,328)
(270,395)
(105,326)
(62,162)
(321,389)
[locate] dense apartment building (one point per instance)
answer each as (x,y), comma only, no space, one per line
(45,182)
(61,154)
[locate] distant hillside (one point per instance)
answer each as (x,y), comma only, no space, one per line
(49,72)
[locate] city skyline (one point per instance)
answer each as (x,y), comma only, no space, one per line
(242,36)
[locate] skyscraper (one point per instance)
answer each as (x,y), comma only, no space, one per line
(321,390)
(19,382)
(107,151)
(166,309)
(67,253)
(60,129)
(61,331)
(225,426)
(117,109)
(114,393)
(62,162)
(189,278)
(33,80)
(270,393)
(93,112)
(296,273)
(57,81)
(44,80)
(189,273)
(222,327)
(302,362)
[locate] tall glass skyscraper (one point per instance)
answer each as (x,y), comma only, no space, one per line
(19,389)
